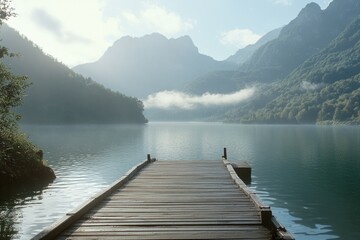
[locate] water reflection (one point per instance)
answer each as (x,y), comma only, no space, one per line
(85,158)
(12,200)
(308,174)
(185,141)
(316,169)
(7,221)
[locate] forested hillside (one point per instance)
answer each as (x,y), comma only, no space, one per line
(309,33)
(309,74)
(57,95)
(20,160)
(324,89)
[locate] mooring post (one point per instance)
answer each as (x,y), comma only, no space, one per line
(149,158)
(225,154)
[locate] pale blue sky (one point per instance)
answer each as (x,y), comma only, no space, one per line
(79,31)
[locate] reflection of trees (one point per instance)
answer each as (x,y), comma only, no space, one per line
(10,198)
(7,220)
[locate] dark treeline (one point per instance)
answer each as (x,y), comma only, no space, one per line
(20,160)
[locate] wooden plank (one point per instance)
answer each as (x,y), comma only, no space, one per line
(179,221)
(158,231)
(53,230)
(174,200)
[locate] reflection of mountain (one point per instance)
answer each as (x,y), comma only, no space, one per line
(58,95)
(141,66)
(302,154)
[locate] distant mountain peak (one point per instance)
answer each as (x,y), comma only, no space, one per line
(185,39)
(309,18)
(140,66)
(185,42)
(310,9)
(244,54)
(153,40)
(154,36)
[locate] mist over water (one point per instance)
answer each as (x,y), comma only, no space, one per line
(176,99)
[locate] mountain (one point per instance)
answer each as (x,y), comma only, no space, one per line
(243,54)
(297,41)
(58,95)
(153,63)
(225,81)
(324,89)
(309,74)
(213,82)
(311,31)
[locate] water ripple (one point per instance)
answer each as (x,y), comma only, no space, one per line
(293,167)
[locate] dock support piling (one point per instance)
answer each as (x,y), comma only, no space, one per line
(149,157)
(225,154)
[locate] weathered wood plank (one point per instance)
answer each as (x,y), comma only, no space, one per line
(205,233)
(53,230)
(175,200)
(180,221)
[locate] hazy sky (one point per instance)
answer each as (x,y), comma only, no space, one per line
(79,31)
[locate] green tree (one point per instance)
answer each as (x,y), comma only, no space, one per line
(19,158)
(11,87)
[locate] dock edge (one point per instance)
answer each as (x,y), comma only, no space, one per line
(57,227)
(268,220)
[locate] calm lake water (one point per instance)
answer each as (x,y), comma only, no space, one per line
(309,175)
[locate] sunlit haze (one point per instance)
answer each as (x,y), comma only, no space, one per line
(76,32)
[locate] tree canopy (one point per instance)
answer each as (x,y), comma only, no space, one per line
(19,158)
(11,87)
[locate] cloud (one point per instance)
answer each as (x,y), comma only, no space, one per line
(69,27)
(239,38)
(80,31)
(46,21)
(311,86)
(283,2)
(158,19)
(175,99)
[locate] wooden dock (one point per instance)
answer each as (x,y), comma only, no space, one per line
(172,200)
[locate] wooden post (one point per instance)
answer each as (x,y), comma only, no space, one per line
(266,217)
(225,154)
(149,158)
